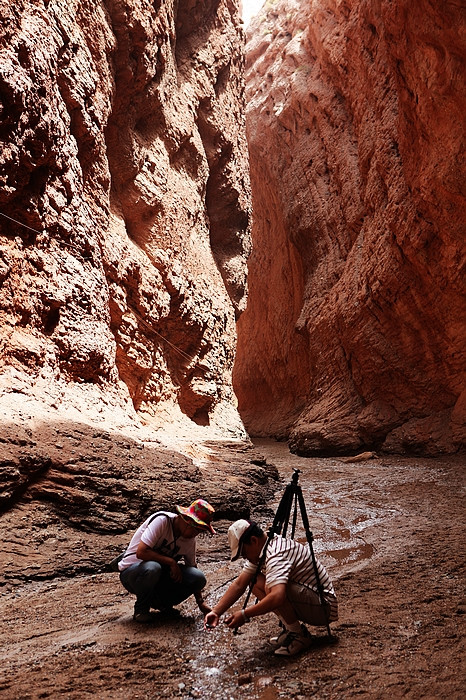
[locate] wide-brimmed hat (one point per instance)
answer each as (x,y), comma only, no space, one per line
(200,512)
(236,533)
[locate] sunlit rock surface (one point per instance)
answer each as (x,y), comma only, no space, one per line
(355,331)
(123,155)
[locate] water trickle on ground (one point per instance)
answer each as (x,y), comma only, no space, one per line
(338,513)
(380,529)
(336,507)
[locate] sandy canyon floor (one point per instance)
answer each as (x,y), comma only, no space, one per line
(391,533)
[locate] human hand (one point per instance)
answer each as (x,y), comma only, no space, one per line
(235,620)
(211,620)
(175,572)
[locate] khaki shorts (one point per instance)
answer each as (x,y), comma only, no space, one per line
(307,606)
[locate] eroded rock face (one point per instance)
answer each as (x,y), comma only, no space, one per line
(354,335)
(123,156)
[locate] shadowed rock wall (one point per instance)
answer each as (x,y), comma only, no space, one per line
(123,155)
(355,331)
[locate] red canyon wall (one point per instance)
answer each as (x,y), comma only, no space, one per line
(355,331)
(123,156)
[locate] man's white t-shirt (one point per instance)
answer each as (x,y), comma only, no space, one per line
(158,534)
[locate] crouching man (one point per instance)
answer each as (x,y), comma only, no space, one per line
(286,586)
(150,568)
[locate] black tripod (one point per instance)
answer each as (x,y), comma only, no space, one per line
(291,499)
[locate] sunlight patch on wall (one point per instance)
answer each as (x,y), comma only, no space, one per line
(250,9)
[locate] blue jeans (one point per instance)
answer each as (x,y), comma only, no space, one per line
(153,587)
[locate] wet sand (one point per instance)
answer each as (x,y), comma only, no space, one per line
(391,533)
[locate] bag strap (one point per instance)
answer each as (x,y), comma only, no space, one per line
(153,517)
(156,515)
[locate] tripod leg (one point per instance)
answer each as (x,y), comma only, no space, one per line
(310,538)
(285,508)
(295,515)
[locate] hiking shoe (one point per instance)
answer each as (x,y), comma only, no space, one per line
(294,643)
(143,617)
(279,640)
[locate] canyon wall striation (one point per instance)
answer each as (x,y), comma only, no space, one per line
(124,210)
(354,335)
